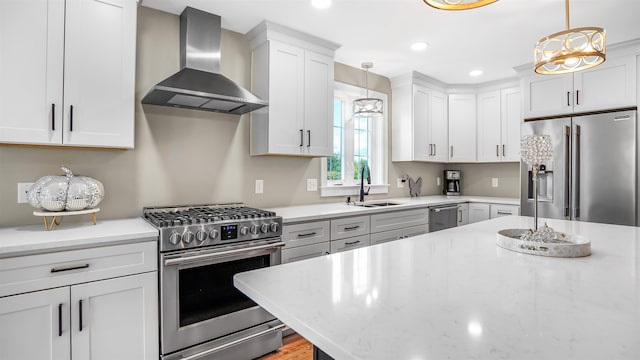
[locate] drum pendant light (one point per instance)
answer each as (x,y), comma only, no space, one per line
(367,107)
(570,50)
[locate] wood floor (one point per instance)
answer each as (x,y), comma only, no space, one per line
(294,347)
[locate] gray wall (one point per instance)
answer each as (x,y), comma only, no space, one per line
(476,179)
(183,156)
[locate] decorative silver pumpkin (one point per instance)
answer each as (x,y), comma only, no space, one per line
(65,192)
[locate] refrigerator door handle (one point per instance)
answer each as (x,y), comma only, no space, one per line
(576,180)
(567,161)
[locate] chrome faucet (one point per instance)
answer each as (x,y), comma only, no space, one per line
(362,192)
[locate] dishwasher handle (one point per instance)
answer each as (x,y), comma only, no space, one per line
(438,209)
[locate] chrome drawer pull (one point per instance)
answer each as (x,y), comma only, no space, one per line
(69,268)
(352,242)
(307,234)
(504,212)
(351,228)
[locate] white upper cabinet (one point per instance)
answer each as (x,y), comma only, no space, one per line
(606,86)
(76,62)
(419,122)
(294,72)
(462,128)
(499,121)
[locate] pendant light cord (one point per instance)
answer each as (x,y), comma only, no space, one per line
(566,7)
(366,81)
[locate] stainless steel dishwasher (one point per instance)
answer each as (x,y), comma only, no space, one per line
(443,217)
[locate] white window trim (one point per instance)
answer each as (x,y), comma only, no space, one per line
(382,151)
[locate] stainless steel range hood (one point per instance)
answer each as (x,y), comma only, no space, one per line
(199,84)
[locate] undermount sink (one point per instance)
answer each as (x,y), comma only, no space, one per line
(377,204)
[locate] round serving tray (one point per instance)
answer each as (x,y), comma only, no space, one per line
(565,246)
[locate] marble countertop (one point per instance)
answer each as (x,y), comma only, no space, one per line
(454,294)
(33,239)
(291,214)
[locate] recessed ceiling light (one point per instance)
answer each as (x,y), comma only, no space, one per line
(419,46)
(475,73)
(321,4)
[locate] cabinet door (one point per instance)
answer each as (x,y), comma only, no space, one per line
(286,99)
(116,319)
(438,124)
(511,115)
(478,212)
(415,231)
(398,219)
(489,139)
(35,325)
(498,210)
(349,243)
(386,236)
(610,85)
(463,214)
(99,68)
(421,138)
(318,104)
(462,127)
(349,227)
(306,233)
(546,95)
(305,252)
(31,65)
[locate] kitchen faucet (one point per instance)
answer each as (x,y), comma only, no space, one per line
(362,192)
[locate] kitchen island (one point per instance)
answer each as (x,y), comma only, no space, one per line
(454,294)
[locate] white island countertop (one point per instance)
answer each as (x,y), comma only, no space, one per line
(454,294)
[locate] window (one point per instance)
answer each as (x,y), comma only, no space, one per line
(357,142)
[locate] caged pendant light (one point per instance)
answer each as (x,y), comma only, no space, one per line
(457,4)
(570,50)
(367,107)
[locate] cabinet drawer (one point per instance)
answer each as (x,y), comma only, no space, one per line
(398,220)
(36,272)
(305,233)
(349,243)
(385,236)
(305,252)
(349,227)
(504,210)
(478,212)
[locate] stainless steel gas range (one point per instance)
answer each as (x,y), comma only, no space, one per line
(202,315)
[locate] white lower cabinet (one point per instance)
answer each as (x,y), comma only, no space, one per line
(349,243)
(305,252)
(463,214)
(305,240)
(478,212)
(481,212)
(386,236)
(498,210)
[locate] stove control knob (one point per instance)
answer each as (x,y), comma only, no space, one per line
(201,236)
(213,234)
(254,229)
(174,238)
(274,227)
(244,230)
(264,228)
(188,237)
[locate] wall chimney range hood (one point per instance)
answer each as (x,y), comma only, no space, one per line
(199,84)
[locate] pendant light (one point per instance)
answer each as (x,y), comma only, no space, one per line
(570,50)
(457,4)
(367,107)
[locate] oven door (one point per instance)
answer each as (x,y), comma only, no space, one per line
(198,300)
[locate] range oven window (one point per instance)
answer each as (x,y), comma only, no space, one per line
(207,292)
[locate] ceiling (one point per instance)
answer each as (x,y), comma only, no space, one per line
(494,38)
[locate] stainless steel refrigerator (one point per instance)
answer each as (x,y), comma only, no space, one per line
(593,173)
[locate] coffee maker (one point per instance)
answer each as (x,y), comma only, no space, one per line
(451,184)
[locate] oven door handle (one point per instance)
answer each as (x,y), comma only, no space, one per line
(216,255)
(234,343)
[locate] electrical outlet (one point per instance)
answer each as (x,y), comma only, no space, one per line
(259,186)
(400,183)
(312,184)
(23,189)
(494,182)
(438,181)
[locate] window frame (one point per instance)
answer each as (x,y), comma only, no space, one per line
(379,141)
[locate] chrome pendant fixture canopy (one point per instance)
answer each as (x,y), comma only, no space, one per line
(570,50)
(367,107)
(457,4)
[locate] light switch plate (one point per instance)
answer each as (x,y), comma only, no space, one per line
(259,186)
(23,189)
(400,183)
(494,182)
(312,184)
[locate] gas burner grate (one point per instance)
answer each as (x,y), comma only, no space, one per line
(202,214)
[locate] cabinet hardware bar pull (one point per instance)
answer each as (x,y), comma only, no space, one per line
(327,253)
(53,117)
(503,152)
(301,137)
(59,319)
(451,150)
(459,215)
(307,234)
(218,254)
(576,178)
(351,228)
(69,268)
(308,138)
(504,212)
(71,118)
(497,150)
(430,149)
(352,242)
(567,160)
(80,311)
(568,95)
(577,97)
(234,343)
(435,149)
